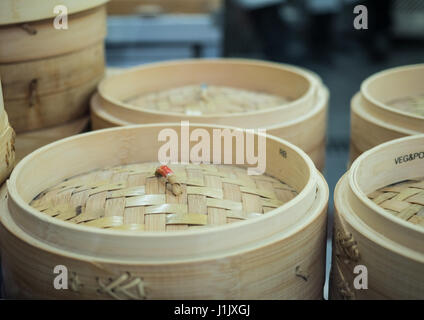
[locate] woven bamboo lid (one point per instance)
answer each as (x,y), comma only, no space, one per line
(404,200)
(19,11)
(7,142)
(202,99)
(131,197)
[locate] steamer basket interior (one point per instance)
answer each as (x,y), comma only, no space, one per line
(133,145)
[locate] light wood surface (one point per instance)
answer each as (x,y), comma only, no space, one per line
(49,92)
(44,41)
(268,257)
(27,142)
(122,7)
(367,234)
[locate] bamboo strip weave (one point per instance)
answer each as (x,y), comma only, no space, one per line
(206,99)
(404,200)
(132,198)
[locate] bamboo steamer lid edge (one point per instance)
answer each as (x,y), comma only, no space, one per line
(274,221)
(383,257)
(19,11)
(254,118)
(317,211)
(389,82)
(376,163)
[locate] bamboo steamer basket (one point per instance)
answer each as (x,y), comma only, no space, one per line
(371,110)
(301,121)
(276,255)
(7,141)
(379,223)
(18,11)
(48,75)
(27,142)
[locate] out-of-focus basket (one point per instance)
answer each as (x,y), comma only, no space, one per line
(376,114)
(27,142)
(302,120)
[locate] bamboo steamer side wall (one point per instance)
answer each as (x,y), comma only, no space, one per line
(288,269)
(27,142)
(7,143)
(308,132)
(49,74)
(7,147)
(362,125)
(45,93)
(368,131)
(391,272)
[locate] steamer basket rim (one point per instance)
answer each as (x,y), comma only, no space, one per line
(313,80)
(365,115)
(319,210)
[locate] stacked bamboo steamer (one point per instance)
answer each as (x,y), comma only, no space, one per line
(7,143)
(49,74)
(390,105)
(301,119)
(379,224)
(122,233)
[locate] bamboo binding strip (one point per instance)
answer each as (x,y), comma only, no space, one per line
(379,223)
(48,74)
(287,101)
(240,236)
(7,143)
(390,105)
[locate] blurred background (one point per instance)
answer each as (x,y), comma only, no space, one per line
(316,34)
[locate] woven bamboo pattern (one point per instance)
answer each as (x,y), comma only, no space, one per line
(207,99)
(413,105)
(131,197)
(405,200)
